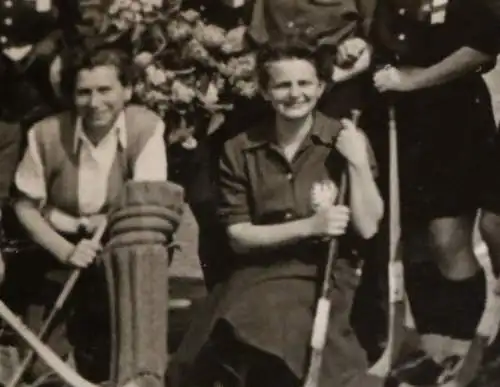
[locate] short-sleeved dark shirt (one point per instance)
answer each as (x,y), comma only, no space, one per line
(414,32)
(258,185)
(328,21)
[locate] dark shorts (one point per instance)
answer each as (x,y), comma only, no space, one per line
(444,136)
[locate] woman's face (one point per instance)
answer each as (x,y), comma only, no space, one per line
(100,97)
(293,88)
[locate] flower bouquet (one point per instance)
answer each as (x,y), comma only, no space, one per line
(188,70)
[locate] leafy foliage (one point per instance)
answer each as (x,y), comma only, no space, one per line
(189,71)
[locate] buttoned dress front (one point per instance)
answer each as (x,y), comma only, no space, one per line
(269,300)
(82,323)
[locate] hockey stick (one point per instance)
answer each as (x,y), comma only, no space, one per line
(63,370)
(322,316)
(397,301)
(63,296)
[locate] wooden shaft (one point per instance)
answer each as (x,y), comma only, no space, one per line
(62,369)
(61,299)
(322,314)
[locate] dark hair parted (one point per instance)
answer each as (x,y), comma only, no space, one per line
(86,60)
(295,47)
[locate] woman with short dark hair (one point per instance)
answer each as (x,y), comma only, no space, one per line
(75,165)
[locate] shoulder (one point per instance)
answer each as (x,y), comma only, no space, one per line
(52,128)
(142,124)
(252,137)
(139,112)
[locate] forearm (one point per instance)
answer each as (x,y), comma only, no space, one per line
(461,62)
(341,74)
(365,201)
(40,230)
(245,237)
(62,221)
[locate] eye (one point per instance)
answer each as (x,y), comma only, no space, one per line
(104,89)
(305,83)
(82,92)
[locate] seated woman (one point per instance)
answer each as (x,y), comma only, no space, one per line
(75,164)
(254,330)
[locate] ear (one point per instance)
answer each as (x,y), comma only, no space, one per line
(128,93)
(321,88)
(265,94)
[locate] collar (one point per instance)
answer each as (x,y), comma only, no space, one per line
(324,131)
(119,128)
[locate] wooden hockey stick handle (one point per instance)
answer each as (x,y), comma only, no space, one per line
(61,299)
(62,369)
(322,314)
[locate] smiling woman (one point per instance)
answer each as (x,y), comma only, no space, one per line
(99,99)
(268,184)
(74,167)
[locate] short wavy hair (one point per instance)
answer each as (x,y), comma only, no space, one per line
(89,59)
(295,46)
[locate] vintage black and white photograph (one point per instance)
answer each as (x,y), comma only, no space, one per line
(250,193)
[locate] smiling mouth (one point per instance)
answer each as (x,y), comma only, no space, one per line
(296,104)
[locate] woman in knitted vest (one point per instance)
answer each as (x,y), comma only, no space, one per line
(75,165)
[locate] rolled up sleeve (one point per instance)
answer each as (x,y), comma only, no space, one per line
(151,164)
(30,177)
(233,205)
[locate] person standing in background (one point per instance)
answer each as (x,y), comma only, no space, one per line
(430,56)
(344,25)
(27,54)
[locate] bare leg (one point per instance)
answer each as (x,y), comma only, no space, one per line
(458,300)
(489,226)
(451,242)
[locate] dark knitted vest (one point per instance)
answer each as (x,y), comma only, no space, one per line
(55,140)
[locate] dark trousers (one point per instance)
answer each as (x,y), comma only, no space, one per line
(81,328)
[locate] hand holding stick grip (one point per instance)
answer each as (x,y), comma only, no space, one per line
(63,296)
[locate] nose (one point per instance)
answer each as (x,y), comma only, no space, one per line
(94,99)
(294,90)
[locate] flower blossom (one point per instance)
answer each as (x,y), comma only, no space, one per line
(235,41)
(210,36)
(212,94)
(246,88)
(190,15)
(182,93)
(143,59)
(195,50)
(179,30)
(156,76)
(242,66)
